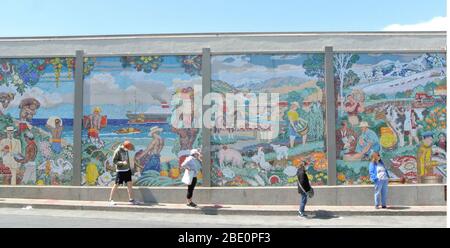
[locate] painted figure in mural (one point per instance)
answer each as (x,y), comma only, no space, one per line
(425,164)
(54,124)
(353,108)
(28,108)
(410,125)
(297,126)
(368,141)
(10,147)
(346,140)
(442,142)
(28,161)
(380,177)
(152,154)
(94,123)
(5,100)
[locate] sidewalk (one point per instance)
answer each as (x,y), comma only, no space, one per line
(212,209)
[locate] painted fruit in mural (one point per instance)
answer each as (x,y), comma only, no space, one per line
(164,173)
(388,138)
(174,173)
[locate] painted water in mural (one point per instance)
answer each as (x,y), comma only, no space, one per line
(132,98)
(394,104)
(36,115)
(242,156)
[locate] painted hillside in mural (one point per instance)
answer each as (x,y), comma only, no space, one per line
(132,98)
(242,156)
(395,104)
(36,116)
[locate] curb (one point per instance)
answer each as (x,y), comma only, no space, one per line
(224,211)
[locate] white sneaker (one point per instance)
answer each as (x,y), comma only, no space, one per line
(112,203)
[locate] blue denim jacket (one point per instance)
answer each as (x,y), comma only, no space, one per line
(373,171)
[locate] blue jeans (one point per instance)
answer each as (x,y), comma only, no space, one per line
(303,200)
(381,190)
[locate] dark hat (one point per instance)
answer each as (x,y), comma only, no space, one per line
(28,102)
(427,134)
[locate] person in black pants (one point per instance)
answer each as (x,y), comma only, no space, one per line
(303,188)
(193,164)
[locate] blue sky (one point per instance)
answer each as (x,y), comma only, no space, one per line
(90,17)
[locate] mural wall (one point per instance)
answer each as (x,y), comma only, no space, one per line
(36,116)
(241,156)
(394,104)
(132,98)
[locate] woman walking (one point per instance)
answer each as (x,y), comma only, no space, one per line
(192,165)
(380,177)
(304,188)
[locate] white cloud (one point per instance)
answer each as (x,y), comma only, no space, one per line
(438,23)
(244,73)
(102,88)
(46,99)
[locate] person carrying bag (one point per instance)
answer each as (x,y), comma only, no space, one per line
(304,189)
(192,166)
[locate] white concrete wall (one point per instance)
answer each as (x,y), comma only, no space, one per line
(223,43)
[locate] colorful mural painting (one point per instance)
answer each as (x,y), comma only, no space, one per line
(36,116)
(132,98)
(394,104)
(242,156)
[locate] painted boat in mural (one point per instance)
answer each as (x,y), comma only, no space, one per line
(129,130)
(157,114)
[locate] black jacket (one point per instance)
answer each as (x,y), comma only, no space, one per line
(303,180)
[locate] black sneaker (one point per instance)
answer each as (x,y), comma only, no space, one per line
(191,204)
(302,215)
(383,207)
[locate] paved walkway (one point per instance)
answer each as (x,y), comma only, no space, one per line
(275,210)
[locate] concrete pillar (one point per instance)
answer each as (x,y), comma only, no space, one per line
(330,116)
(206,132)
(78,118)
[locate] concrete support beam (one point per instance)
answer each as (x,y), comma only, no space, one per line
(78,118)
(206,132)
(330,116)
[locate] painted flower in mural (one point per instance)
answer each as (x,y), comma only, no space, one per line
(192,64)
(46,151)
(436,119)
(146,64)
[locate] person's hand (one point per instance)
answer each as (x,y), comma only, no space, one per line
(361,142)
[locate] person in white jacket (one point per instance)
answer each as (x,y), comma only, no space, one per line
(193,164)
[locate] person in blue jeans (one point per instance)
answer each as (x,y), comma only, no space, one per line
(380,177)
(303,187)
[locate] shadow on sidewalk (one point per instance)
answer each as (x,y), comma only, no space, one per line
(212,210)
(323,214)
(397,208)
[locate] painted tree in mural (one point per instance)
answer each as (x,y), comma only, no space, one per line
(146,64)
(343,63)
(314,66)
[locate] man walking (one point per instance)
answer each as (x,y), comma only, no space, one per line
(121,159)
